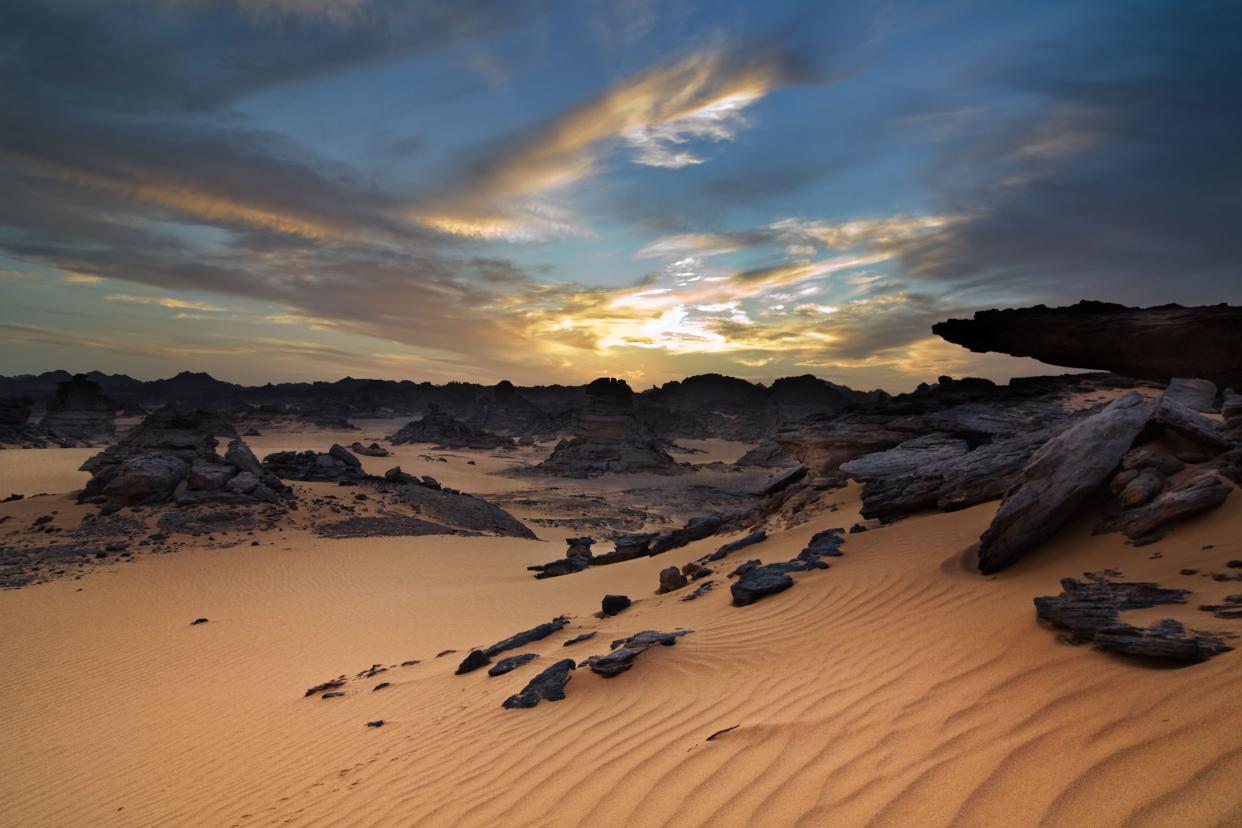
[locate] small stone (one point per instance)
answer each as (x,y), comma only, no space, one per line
(473,661)
(381,686)
(198,621)
(332,695)
(613,604)
(376,723)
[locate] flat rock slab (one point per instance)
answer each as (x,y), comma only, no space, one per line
(549,685)
(1059,478)
(508,665)
(1090,609)
(625,650)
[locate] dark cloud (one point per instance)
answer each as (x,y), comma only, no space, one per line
(1126,184)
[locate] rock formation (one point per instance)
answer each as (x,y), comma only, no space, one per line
(171,456)
(1157,343)
(609,438)
(479,658)
(80,410)
(1090,609)
(447,432)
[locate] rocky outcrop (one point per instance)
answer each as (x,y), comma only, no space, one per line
(172,456)
(336,464)
(1189,424)
(1059,478)
(447,432)
(1090,609)
(549,685)
(625,650)
(1156,343)
(80,410)
(610,439)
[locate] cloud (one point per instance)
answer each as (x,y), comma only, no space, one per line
(660,114)
(1121,184)
(164,302)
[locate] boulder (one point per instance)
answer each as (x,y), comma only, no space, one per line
(1196,394)
(613,604)
(1059,478)
(1190,424)
(671,579)
(148,478)
(209,476)
(373,450)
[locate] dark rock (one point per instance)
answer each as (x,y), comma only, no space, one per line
(628,546)
(728,549)
(625,650)
(381,686)
(1196,394)
(376,723)
(561,566)
(1192,425)
(330,684)
(696,571)
(549,685)
(525,637)
(473,661)
(697,528)
(373,450)
(198,621)
(1157,343)
(857,528)
(1059,479)
(508,665)
(1196,494)
(784,480)
(671,579)
(578,639)
(331,695)
(699,591)
(1090,610)
(1139,488)
(613,604)
(79,409)
(760,582)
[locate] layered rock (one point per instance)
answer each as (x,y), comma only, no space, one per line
(1059,478)
(609,438)
(1090,609)
(171,456)
(1156,343)
(625,650)
(448,432)
(79,409)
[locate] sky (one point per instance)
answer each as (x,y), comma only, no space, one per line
(545,192)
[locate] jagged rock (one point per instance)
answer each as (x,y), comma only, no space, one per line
(758,536)
(549,685)
(1196,394)
(671,579)
(625,650)
(508,665)
(79,409)
(696,571)
(312,465)
(1192,425)
(1157,343)
(373,450)
(447,432)
(1229,608)
(1059,478)
(699,591)
(209,476)
(473,661)
(613,604)
(1199,493)
(479,658)
(908,457)
(1090,609)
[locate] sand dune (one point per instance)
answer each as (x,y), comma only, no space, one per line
(896,688)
